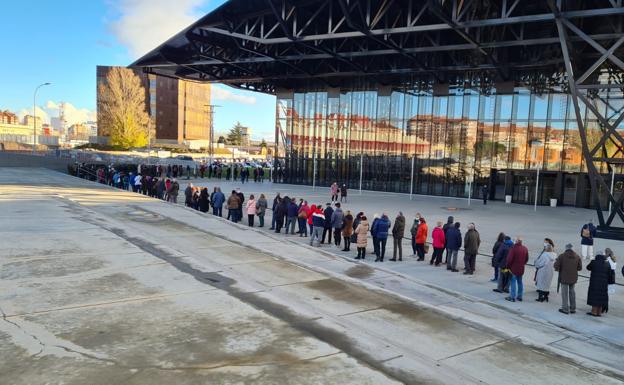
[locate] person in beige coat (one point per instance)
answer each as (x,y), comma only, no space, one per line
(362,237)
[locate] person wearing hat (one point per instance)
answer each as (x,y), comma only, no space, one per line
(568,265)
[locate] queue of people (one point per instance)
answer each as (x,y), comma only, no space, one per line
(321,224)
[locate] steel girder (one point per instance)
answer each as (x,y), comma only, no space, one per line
(599,81)
(266,45)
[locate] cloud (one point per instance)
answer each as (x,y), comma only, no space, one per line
(40,114)
(224,94)
(73,114)
(144,24)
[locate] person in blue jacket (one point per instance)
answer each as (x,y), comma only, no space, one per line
(217,202)
(453,244)
(380,234)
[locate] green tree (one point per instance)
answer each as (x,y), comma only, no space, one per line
(263,144)
(122,113)
(222,140)
(235,137)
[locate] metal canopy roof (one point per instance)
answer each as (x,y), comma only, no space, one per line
(266,45)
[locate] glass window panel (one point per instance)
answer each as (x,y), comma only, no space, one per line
(487,107)
(558,106)
(555,137)
(504,106)
(539,107)
(522,103)
(518,144)
(572,148)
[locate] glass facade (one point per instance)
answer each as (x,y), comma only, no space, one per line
(404,140)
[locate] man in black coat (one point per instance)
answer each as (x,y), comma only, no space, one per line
(327,229)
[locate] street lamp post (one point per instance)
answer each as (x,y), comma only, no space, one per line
(34,146)
(211,110)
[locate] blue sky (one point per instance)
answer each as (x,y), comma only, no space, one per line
(63,41)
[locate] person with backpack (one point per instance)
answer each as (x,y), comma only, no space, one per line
(302,218)
(327,230)
(453,244)
(588,232)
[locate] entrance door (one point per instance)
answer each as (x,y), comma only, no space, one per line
(523,188)
(569,189)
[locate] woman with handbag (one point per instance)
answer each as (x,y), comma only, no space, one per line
(302,219)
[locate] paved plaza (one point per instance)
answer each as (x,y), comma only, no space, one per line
(102,286)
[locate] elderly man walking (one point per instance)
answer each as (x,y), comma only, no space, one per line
(568,265)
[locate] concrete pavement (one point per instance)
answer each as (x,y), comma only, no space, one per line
(101,286)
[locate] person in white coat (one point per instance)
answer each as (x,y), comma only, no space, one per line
(545,271)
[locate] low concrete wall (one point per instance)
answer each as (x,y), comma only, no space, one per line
(12,159)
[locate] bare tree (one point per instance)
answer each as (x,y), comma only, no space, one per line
(122,109)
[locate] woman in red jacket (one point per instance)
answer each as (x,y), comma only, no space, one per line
(438,244)
(311,211)
(421,238)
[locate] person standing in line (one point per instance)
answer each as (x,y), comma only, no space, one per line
(413,232)
(598,291)
(240,207)
(449,223)
(347,230)
(302,218)
(611,288)
(318,225)
(499,241)
(372,231)
(291,217)
(343,193)
(381,228)
(485,192)
(280,213)
(362,237)
(500,260)
(438,241)
(568,265)
(233,204)
(261,206)
(517,258)
(327,230)
(175,189)
(337,221)
(545,270)
(251,210)
(421,238)
(472,241)
(453,244)
(398,231)
(188,195)
(204,203)
(333,190)
(276,201)
(313,208)
(217,203)
(588,232)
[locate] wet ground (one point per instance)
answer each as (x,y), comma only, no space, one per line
(99,286)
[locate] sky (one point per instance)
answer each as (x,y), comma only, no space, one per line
(63,41)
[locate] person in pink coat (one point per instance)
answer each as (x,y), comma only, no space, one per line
(251,210)
(334,192)
(439,241)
